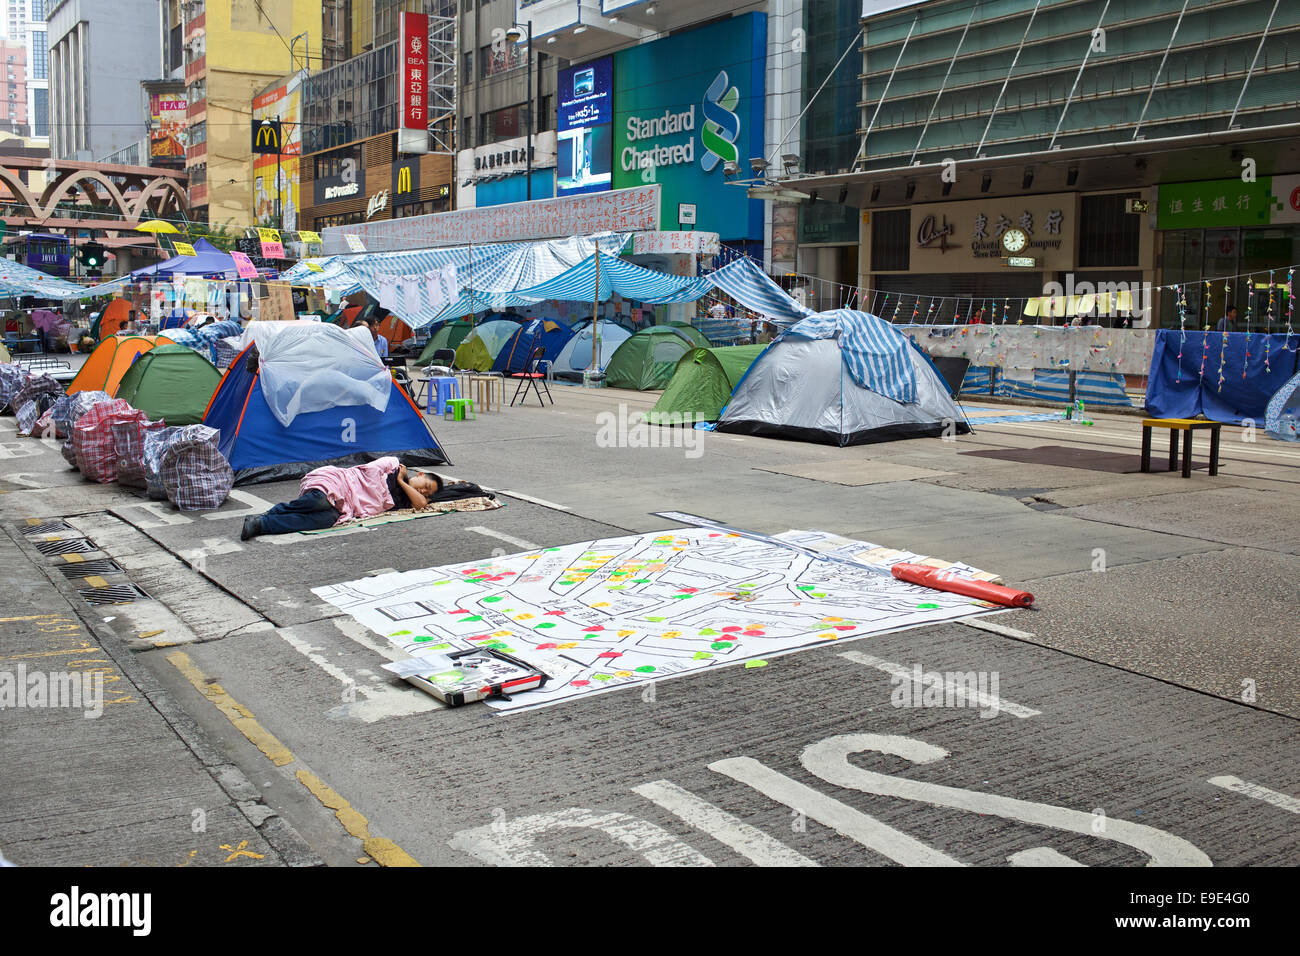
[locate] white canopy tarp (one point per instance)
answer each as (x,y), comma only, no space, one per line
(312,366)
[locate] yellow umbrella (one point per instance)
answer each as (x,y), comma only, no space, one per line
(156,226)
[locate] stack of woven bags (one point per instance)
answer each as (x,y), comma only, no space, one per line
(108,440)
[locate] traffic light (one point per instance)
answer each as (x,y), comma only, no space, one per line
(92,257)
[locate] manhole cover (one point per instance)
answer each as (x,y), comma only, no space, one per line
(66,546)
(83,569)
(113,594)
(49,527)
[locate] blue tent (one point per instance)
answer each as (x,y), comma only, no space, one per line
(210,260)
(543,333)
(260,449)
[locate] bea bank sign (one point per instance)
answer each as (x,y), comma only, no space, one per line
(683,107)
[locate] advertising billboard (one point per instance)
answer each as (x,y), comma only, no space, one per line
(686,106)
(166,123)
(585,140)
(280,102)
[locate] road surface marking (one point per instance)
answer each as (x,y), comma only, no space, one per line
(843,819)
(1041,856)
(256,506)
(241,717)
(829,760)
(957,691)
(385,852)
(1255,791)
(537,501)
(508,539)
(751,843)
(510,842)
(382,851)
(996,628)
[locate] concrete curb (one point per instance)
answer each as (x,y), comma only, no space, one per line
(279,834)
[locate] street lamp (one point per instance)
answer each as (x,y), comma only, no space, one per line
(514,35)
(279,210)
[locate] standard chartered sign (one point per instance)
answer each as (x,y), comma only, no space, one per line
(678,154)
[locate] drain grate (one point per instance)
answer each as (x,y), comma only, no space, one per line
(83,569)
(113,594)
(66,546)
(49,527)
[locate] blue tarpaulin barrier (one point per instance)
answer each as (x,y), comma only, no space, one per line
(1176,388)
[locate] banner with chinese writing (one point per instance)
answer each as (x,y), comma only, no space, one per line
(184,249)
(244,266)
(1216,203)
(413,48)
(166,122)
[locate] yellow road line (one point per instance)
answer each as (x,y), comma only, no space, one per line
(383,851)
(241,717)
(28,617)
(95,581)
(72,558)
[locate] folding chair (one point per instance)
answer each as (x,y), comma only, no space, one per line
(532,377)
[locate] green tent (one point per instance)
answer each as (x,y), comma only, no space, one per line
(696,335)
(702,384)
(171,382)
(479,349)
(647,359)
(447,337)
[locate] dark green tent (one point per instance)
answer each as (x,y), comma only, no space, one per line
(702,384)
(448,337)
(647,359)
(171,382)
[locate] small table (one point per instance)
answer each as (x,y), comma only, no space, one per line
(1177,426)
(486,386)
(457,407)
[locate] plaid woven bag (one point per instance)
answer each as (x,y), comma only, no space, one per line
(92,439)
(195,474)
(128,440)
(155,442)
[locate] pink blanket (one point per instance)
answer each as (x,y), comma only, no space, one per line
(357,492)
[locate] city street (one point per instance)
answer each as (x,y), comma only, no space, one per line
(1146,708)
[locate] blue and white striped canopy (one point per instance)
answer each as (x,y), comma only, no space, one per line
(876,354)
(17,279)
(746,282)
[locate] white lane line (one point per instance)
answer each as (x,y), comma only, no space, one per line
(995,628)
(751,843)
(508,539)
(843,819)
(537,501)
(958,691)
(1041,856)
(1255,791)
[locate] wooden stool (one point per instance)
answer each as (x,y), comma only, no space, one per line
(485,389)
(1176,426)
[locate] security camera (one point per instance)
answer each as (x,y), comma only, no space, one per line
(729,168)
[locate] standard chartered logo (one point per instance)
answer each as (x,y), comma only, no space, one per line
(721,124)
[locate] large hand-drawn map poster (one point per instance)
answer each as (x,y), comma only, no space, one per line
(597,615)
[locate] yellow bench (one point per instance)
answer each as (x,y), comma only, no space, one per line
(1176,427)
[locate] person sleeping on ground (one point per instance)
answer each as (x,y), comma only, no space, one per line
(330,496)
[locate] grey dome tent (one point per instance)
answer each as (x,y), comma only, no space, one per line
(842,378)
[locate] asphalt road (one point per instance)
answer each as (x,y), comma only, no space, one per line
(1121,735)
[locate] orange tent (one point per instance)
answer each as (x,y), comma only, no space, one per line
(104,369)
(349,316)
(395,330)
(114,317)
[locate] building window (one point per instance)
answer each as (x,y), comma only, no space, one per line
(424,208)
(1108,236)
(40,56)
(334,164)
(890,240)
(501,124)
(499,58)
(338,219)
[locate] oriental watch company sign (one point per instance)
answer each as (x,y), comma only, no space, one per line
(967,236)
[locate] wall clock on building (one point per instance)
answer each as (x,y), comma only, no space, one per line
(1014,240)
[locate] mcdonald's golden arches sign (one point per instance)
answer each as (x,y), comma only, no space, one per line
(266,136)
(406,181)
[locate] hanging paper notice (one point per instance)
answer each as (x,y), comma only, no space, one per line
(313,267)
(306,236)
(272,250)
(184,249)
(354,242)
(244,267)
(268,235)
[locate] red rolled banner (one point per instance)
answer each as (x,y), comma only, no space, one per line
(942,581)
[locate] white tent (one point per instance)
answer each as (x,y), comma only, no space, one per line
(577,352)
